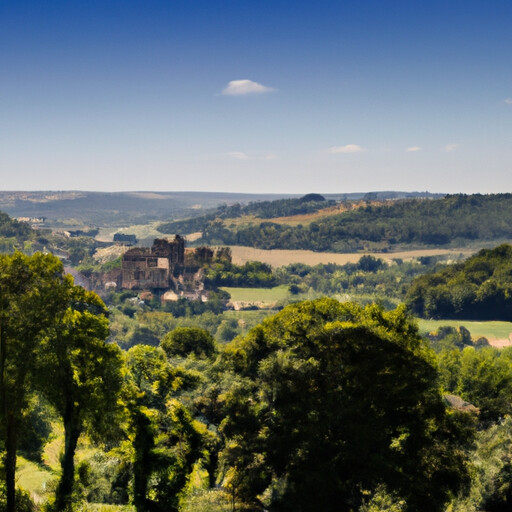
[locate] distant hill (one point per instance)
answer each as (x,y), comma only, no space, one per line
(77,209)
(372,224)
(102,209)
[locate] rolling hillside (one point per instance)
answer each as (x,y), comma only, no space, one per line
(370,225)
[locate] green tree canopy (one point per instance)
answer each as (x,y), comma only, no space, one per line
(32,294)
(331,401)
(184,341)
(166,441)
(81,376)
(478,289)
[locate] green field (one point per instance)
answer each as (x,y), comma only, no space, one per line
(34,479)
(267,295)
(251,317)
(489,330)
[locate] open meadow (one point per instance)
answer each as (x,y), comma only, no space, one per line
(499,334)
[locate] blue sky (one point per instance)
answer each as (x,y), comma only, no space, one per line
(256,96)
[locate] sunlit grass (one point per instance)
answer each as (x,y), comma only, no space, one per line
(492,330)
(267,295)
(35,479)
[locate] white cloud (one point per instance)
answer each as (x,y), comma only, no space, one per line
(270,156)
(413,149)
(238,155)
(349,148)
(508,101)
(242,87)
(451,147)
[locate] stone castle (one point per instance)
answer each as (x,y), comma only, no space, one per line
(153,268)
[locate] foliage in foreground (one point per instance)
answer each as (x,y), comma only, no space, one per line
(332,400)
(325,406)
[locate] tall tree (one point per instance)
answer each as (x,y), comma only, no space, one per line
(166,441)
(80,374)
(31,295)
(334,400)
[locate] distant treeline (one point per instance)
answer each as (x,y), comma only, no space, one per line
(479,288)
(13,228)
(454,219)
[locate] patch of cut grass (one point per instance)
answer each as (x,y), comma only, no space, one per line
(102,507)
(33,478)
(212,500)
(267,295)
(54,447)
(250,316)
(492,330)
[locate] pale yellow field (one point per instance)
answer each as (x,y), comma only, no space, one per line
(281,257)
(140,230)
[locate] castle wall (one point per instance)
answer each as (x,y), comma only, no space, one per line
(144,269)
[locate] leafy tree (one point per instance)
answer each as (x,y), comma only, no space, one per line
(35,429)
(491,485)
(166,441)
(81,377)
(483,377)
(188,340)
(333,400)
(32,293)
(480,288)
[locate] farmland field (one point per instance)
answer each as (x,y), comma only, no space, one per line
(141,231)
(260,294)
(282,257)
(498,333)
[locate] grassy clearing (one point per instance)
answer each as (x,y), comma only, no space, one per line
(490,330)
(54,448)
(102,507)
(250,317)
(141,231)
(282,257)
(266,295)
(34,479)
(213,500)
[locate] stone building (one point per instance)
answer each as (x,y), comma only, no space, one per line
(153,268)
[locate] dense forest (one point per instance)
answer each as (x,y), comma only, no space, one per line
(479,288)
(451,221)
(324,406)
(13,234)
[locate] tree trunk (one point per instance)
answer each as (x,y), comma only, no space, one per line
(211,466)
(10,463)
(143,444)
(64,494)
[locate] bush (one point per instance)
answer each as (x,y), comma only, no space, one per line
(184,341)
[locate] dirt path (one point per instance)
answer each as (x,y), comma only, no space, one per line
(502,343)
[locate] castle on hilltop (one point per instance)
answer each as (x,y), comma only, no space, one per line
(153,268)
